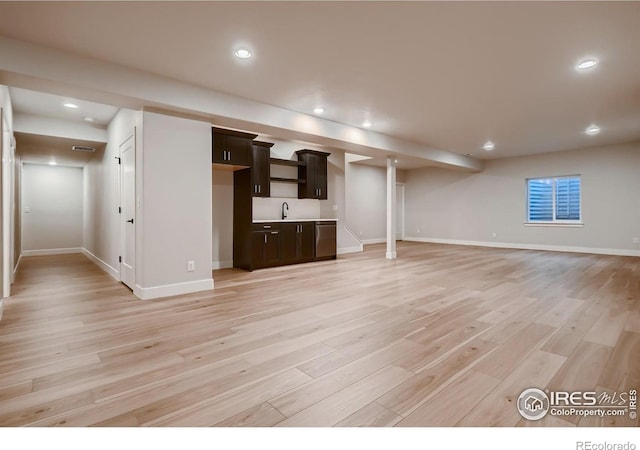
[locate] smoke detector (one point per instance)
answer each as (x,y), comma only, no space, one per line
(82,148)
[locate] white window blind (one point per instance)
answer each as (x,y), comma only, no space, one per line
(554,199)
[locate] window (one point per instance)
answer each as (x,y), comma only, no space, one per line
(554,200)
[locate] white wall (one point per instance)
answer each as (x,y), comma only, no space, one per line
(366,197)
(366,201)
(448,205)
(7,109)
(101,220)
(17,214)
(52,208)
(222,239)
(6,131)
(174,217)
(271,208)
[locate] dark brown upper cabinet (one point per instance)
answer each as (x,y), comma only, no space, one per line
(232,148)
(261,169)
(314,171)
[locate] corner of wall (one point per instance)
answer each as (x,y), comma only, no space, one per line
(354,249)
(112,271)
(15,269)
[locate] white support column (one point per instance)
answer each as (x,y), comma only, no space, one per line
(391,207)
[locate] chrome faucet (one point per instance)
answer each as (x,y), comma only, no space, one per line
(285,210)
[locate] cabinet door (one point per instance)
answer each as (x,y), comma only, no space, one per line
(321,178)
(306,241)
(260,172)
(239,150)
(258,241)
(233,150)
(315,173)
(288,242)
(272,248)
(219,156)
(307,172)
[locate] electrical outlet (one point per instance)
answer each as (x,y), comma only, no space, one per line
(418,230)
(494,234)
(335,207)
(360,234)
(191,266)
(636,240)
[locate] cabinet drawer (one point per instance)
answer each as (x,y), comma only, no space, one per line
(270,226)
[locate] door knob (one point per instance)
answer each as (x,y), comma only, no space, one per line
(130,221)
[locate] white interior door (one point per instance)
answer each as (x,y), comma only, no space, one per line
(127,218)
(399,212)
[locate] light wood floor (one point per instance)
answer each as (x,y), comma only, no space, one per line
(443,336)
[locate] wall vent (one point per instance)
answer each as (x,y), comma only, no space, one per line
(82,148)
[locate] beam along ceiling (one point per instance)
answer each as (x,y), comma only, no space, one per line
(41,104)
(38,146)
(450,75)
(38,149)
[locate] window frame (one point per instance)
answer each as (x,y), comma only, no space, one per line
(558,222)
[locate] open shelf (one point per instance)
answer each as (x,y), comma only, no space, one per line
(288,180)
(286,162)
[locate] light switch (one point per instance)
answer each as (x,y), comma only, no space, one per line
(27,209)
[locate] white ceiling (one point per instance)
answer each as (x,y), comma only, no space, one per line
(450,75)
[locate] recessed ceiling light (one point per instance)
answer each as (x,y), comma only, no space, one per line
(366,124)
(89,119)
(70,105)
(587,64)
(318,110)
(52,163)
(243,53)
(592,130)
(488,146)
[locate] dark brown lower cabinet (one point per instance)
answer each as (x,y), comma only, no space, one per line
(265,245)
(297,242)
(281,243)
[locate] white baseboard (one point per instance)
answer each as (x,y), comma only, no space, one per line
(374,241)
(355,249)
(215,265)
(52,251)
(551,248)
(173,289)
(112,271)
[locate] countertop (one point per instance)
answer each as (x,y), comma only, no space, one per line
(293,220)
